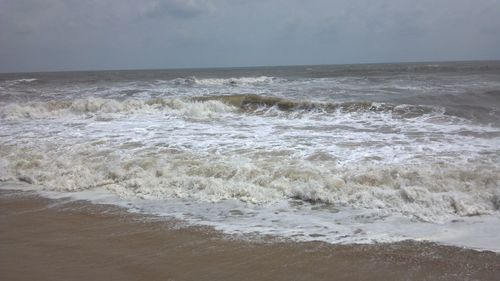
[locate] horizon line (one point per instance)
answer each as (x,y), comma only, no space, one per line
(248,66)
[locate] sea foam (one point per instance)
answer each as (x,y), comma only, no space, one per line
(354,155)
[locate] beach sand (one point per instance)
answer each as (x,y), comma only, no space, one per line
(42,239)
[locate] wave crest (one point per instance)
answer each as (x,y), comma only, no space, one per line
(429,193)
(233,81)
(10,83)
(93,106)
(252,102)
(206,107)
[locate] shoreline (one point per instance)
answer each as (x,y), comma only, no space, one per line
(47,239)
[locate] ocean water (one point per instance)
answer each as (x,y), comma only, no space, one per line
(341,154)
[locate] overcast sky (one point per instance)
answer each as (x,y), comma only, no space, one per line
(44,35)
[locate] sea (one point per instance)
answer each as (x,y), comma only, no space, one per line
(344,154)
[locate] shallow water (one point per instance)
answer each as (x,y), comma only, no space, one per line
(78,241)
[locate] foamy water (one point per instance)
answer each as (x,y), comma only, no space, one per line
(343,154)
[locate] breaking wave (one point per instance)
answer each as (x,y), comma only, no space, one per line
(433,192)
(240,81)
(95,106)
(204,107)
(9,83)
(254,102)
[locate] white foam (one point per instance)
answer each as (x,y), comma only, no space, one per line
(95,106)
(342,176)
(302,222)
(22,80)
(236,81)
(164,169)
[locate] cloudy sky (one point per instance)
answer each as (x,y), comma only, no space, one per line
(44,35)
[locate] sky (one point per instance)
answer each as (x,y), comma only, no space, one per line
(58,35)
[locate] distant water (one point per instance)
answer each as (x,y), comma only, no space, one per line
(343,154)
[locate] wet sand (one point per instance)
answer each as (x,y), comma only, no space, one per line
(42,239)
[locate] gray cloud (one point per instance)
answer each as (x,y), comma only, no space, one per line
(178,8)
(290,28)
(103,34)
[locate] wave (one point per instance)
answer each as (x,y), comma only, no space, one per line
(23,80)
(431,192)
(18,81)
(95,106)
(252,102)
(233,81)
(204,106)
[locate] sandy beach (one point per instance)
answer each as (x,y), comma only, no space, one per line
(42,239)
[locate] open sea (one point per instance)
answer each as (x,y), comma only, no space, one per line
(337,153)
